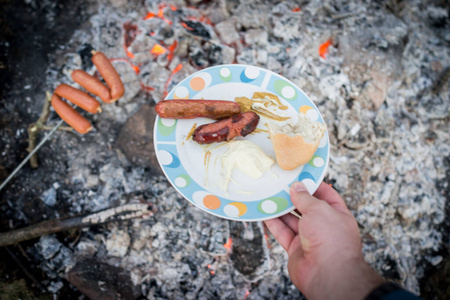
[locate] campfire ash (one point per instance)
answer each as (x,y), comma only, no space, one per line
(377,72)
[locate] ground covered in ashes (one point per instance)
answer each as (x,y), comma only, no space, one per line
(378,72)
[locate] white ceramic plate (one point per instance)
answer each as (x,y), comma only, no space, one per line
(197,176)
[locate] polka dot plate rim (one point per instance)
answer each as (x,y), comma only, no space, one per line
(182,161)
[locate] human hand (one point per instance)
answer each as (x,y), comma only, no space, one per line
(324,246)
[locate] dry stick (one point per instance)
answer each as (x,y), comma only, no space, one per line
(123,212)
(35,128)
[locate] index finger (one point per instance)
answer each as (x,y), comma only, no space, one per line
(326,193)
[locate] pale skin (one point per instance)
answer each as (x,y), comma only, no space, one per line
(324,247)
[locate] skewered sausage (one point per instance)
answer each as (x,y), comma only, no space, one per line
(227,129)
(92,84)
(189,109)
(79,98)
(109,74)
(70,115)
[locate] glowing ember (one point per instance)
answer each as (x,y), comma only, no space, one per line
(135,68)
(149,16)
(228,244)
(296,9)
(176,70)
(246,294)
(211,270)
(173,7)
(129,54)
(158,49)
(171,50)
(186,26)
(323,49)
(159,15)
(147,88)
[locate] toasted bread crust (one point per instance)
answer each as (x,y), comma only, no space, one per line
(291,150)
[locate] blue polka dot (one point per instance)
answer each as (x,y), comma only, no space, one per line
(305,175)
(175,162)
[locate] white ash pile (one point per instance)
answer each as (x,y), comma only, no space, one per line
(377,72)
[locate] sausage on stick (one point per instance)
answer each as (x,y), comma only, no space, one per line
(79,98)
(92,84)
(109,74)
(70,115)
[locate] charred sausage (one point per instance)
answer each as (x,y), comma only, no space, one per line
(70,115)
(190,109)
(227,129)
(92,85)
(79,98)
(109,74)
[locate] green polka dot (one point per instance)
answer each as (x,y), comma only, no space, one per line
(183,181)
(225,74)
(285,90)
(272,205)
(166,130)
(316,161)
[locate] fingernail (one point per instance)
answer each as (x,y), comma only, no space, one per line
(299,187)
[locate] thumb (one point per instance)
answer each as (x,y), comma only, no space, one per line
(301,198)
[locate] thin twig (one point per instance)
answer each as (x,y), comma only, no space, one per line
(124,212)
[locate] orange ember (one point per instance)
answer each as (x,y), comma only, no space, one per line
(246,294)
(149,16)
(158,49)
(135,68)
(228,244)
(176,70)
(173,7)
(129,54)
(296,9)
(186,26)
(171,50)
(211,270)
(147,88)
(159,15)
(323,49)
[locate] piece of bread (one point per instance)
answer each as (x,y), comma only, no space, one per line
(295,144)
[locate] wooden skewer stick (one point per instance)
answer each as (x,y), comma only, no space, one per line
(296,214)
